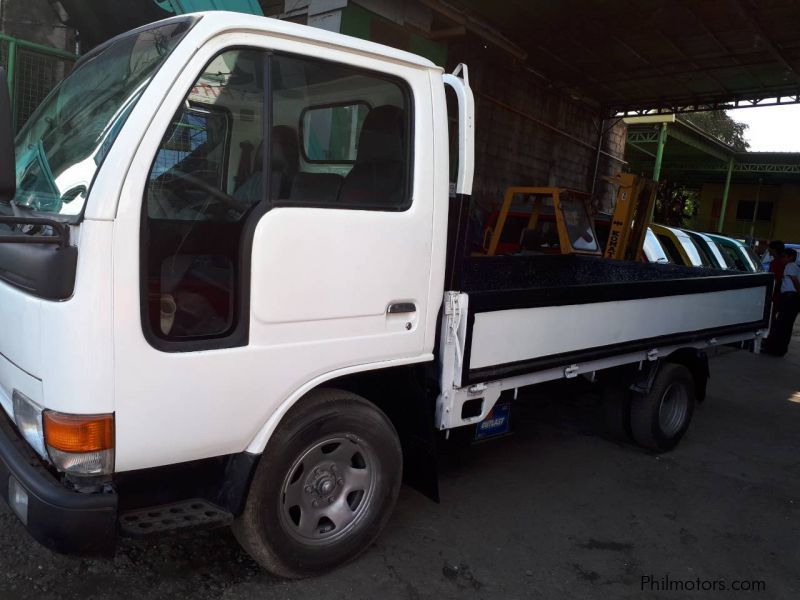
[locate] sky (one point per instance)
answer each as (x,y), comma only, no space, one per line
(772,128)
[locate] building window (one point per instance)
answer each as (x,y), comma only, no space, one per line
(745,208)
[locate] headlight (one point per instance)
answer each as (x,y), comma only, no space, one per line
(28,417)
(80,444)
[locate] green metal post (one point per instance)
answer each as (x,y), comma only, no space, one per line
(755,214)
(12,63)
(12,60)
(38,47)
(662,140)
(25,45)
(724,208)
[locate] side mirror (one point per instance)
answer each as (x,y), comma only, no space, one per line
(8,170)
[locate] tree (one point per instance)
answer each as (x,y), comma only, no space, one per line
(675,204)
(722,126)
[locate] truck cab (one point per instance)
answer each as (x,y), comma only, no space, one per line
(173,159)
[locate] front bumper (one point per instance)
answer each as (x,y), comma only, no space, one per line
(58,518)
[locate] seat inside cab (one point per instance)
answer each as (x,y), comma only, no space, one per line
(338,138)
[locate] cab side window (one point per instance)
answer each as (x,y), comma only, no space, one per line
(205,180)
(341,136)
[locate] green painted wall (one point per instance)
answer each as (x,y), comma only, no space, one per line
(186,6)
(362,23)
(356,21)
(433,51)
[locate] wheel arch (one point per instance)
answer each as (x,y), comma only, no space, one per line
(697,362)
(640,377)
(345,378)
(404,390)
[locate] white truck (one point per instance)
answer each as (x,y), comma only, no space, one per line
(235,289)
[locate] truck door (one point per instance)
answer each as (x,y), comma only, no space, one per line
(349,234)
(285,230)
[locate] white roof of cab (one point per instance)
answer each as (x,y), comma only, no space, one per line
(220,21)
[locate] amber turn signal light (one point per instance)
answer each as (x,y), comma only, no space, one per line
(78,433)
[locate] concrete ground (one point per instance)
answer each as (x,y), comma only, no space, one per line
(553,511)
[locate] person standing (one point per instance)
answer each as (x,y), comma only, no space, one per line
(789,305)
(775,250)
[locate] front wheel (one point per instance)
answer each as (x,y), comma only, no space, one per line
(325,486)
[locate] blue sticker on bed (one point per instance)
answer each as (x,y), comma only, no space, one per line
(497,422)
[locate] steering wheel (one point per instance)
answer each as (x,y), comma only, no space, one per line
(195,182)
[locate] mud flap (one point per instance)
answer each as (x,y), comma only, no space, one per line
(408,397)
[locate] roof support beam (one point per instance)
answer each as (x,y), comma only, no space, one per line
(657,69)
(767,168)
(690,6)
(690,140)
(585,77)
(643,137)
(477,26)
(693,64)
(651,136)
(753,19)
(656,108)
(640,149)
(722,167)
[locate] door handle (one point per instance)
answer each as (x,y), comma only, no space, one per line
(396,308)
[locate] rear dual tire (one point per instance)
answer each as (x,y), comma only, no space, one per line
(658,419)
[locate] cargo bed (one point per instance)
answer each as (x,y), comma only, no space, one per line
(532,312)
(519,320)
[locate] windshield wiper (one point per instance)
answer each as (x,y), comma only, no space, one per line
(60,234)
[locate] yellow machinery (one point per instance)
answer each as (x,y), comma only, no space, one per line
(568,211)
(559,220)
(635,201)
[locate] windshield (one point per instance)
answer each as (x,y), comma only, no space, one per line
(690,249)
(751,254)
(652,248)
(702,251)
(578,224)
(61,147)
(727,255)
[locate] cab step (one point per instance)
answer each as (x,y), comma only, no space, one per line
(188,514)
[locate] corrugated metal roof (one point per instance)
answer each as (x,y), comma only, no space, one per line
(664,55)
(692,156)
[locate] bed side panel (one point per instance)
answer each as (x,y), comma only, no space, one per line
(529,336)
